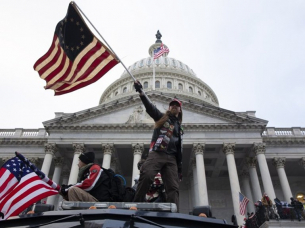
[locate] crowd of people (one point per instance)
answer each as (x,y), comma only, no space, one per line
(265,210)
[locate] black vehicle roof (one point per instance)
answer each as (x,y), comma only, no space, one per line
(113,218)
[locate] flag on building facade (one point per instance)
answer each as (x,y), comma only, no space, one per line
(160,51)
(21,185)
(243,201)
(76,57)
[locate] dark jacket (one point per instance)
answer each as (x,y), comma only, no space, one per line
(174,146)
(297,205)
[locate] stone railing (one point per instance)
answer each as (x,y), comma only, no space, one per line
(284,132)
(20,132)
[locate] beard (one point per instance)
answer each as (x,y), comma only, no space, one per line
(174,111)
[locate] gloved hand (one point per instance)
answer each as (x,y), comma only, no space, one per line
(180,176)
(64,189)
(138,86)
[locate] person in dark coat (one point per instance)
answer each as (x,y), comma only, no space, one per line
(165,153)
(298,208)
(260,212)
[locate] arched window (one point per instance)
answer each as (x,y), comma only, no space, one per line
(187,68)
(169,85)
(124,89)
(181,66)
(141,63)
(199,93)
(116,93)
(158,61)
(145,85)
(157,84)
(134,65)
(166,61)
(180,86)
(190,89)
(174,63)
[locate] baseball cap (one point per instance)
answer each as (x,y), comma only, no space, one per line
(175,101)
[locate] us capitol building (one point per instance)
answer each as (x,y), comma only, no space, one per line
(224,152)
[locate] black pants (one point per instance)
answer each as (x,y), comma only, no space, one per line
(298,212)
(167,166)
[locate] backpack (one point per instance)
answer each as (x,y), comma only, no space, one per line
(128,194)
(115,189)
(111,188)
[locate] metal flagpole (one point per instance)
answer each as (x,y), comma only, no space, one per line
(154,80)
(108,45)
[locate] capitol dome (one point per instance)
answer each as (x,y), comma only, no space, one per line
(172,77)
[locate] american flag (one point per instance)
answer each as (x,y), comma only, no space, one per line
(160,51)
(21,185)
(76,57)
(243,201)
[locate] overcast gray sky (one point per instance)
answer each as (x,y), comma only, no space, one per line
(251,53)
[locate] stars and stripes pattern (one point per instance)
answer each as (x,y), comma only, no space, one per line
(21,185)
(76,57)
(160,51)
(243,201)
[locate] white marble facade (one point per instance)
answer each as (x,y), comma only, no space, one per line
(224,151)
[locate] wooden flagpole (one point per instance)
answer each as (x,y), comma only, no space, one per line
(142,92)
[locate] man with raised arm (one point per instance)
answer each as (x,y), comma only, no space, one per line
(165,153)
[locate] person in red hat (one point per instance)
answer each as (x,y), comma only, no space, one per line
(165,153)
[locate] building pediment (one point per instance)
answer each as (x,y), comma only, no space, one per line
(130,111)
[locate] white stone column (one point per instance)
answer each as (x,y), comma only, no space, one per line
(137,153)
(198,150)
(56,176)
(108,150)
(195,185)
(280,164)
(256,188)
(78,149)
(50,150)
(228,149)
(244,176)
(260,150)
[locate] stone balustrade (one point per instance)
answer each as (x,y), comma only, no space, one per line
(284,132)
(20,132)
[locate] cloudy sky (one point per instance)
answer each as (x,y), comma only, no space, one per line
(251,53)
